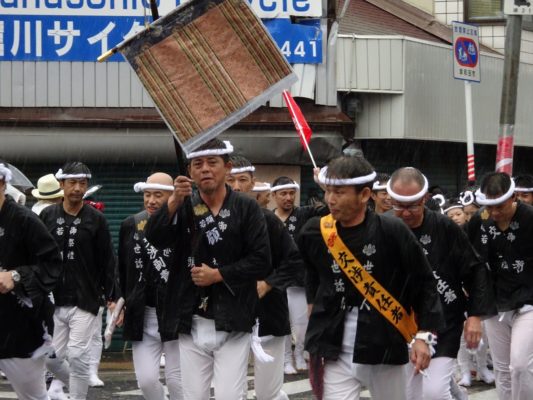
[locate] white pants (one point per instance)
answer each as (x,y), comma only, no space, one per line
(436,385)
(73,331)
(96,344)
(268,377)
(298,319)
(464,354)
(343,380)
(146,359)
(213,356)
(26,376)
(511,343)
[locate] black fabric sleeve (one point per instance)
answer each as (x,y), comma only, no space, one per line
(474,275)
(39,278)
(306,247)
(425,298)
(284,273)
(125,232)
(107,260)
(161,231)
(256,263)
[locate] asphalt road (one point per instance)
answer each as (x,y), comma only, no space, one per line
(116,370)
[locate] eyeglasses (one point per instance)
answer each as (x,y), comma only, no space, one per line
(409,207)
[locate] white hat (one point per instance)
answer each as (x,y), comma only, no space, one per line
(47,188)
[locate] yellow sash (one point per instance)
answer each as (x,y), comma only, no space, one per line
(365,283)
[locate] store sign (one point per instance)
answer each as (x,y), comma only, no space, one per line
(81,30)
(280,8)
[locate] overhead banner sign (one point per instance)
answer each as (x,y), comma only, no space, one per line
(81,30)
(466,52)
(518,7)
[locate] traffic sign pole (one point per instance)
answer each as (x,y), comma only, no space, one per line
(470,159)
(466,66)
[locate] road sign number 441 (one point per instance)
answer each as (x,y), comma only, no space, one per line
(299,49)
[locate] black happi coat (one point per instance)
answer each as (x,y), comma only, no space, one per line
(390,252)
(455,266)
(27,247)
(509,254)
(294,223)
(89,268)
(273,310)
(235,241)
(143,272)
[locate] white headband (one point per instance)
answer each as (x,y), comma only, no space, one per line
(212,152)
(294,186)
(482,198)
(359,180)
(467,198)
(5,173)
(523,189)
(251,168)
(376,186)
(439,198)
(60,175)
(408,199)
(452,207)
(142,186)
(265,187)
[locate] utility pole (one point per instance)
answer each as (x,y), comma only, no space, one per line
(504,152)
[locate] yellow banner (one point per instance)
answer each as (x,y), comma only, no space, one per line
(365,283)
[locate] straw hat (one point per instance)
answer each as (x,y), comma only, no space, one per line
(47,188)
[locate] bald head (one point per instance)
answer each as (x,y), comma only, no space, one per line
(155,198)
(407,176)
(408,188)
(160,178)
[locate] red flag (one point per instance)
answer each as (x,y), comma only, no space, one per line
(302,127)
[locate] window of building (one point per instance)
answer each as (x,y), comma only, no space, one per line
(480,11)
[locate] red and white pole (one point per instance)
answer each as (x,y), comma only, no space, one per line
(471,167)
(470,158)
(511,64)
(504,151)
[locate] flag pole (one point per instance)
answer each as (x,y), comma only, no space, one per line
(308,150)
(111,52)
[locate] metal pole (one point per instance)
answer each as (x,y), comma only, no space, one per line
(504,152)
(470,159)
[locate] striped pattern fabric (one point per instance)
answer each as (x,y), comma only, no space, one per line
(208,64)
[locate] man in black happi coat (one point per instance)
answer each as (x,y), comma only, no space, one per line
(222,251)
(355,334)
(30,266)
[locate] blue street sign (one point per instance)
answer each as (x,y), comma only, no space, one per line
(63,35)
(63,38)
(299,43)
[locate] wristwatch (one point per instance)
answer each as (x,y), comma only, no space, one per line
(15,276)
(427,337)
